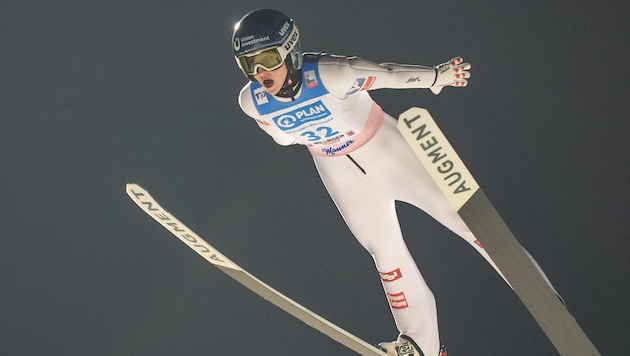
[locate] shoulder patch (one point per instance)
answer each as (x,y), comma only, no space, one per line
(260,95)
(310,79)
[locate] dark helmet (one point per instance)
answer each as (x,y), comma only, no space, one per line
(275,34)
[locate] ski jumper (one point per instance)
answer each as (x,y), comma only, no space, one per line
(366,165)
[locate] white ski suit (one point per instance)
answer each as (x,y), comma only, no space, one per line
(366,166)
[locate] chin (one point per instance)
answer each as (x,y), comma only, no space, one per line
(272,91)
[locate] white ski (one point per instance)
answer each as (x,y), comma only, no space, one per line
(150,206)
(458,185)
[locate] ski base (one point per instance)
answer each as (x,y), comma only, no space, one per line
(150,206)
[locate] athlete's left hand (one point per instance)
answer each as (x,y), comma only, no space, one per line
(451,73)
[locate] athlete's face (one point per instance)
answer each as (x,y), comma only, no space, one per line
(273,80)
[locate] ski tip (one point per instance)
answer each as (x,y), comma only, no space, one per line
(131,186)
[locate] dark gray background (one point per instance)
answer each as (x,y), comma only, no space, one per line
(98,93)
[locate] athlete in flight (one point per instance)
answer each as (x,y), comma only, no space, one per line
(321,101)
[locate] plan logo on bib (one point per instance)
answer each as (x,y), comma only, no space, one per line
(298,117)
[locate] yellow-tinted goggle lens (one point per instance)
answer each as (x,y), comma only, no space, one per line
(268,60)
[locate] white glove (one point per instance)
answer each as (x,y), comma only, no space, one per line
(452,73)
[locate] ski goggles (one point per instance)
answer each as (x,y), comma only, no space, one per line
(269,59)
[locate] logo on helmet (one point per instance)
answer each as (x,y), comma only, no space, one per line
(292,40)
(249,41)
(284,29)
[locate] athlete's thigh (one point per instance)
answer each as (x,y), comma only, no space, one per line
(402,177)
(370,214)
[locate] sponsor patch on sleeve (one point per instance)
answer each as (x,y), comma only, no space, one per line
(390,276)
(361,84)
(368,83)
(397,300)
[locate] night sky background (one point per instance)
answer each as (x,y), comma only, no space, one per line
(95,94)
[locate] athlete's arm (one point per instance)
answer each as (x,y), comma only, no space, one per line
(246,103)
(340,74)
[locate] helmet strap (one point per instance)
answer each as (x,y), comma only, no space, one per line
(292,82)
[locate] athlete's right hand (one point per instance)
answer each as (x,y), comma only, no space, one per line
(451,73)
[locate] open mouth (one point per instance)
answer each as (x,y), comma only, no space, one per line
(268,83)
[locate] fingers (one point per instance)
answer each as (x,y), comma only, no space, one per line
(455,61)
(460,83)
(452,73)
(462,67)
(461,72)
(462,75)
